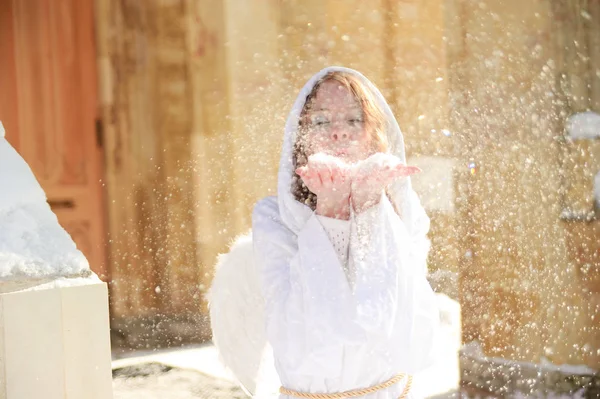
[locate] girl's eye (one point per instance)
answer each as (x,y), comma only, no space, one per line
(320,122)
(355,121)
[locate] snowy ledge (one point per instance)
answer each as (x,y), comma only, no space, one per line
(34,248)
(50,282)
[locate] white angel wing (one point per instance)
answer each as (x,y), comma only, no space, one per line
(237,320)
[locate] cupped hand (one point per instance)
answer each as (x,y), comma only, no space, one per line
(373,175)
(330,179)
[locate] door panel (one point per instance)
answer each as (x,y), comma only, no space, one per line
(47,59)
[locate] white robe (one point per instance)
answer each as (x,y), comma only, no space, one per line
(326,336)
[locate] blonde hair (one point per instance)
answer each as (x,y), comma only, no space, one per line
(375,123)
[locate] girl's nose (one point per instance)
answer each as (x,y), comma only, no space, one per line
(339,135)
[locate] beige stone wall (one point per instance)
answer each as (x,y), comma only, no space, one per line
(522,295)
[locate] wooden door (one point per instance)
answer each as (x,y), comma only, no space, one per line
(49,109)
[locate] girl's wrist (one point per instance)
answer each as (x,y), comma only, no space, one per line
(339,210)
(361,203)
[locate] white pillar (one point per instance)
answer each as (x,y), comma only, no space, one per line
(55,343)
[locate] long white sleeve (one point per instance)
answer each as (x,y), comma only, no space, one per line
(308,303)
(393,295)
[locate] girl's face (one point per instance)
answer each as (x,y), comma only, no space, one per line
(335,124)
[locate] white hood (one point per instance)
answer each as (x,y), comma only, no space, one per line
(295,214)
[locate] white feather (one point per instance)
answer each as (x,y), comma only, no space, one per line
(237,320)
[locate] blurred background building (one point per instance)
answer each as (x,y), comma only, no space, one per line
(155,125)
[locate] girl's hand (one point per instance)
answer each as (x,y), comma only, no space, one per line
(330,180)
(373,175)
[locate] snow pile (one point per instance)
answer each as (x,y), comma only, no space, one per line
(474,349)
(32,243)
(584,125)
(523,379)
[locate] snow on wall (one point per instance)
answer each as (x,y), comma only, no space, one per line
(32,243)
(584,125)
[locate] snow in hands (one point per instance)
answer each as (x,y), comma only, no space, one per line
(338,183)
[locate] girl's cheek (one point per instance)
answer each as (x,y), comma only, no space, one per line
(318,145)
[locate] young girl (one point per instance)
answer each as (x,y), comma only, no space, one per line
(340,253)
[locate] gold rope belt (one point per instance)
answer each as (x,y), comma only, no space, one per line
(353,393)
